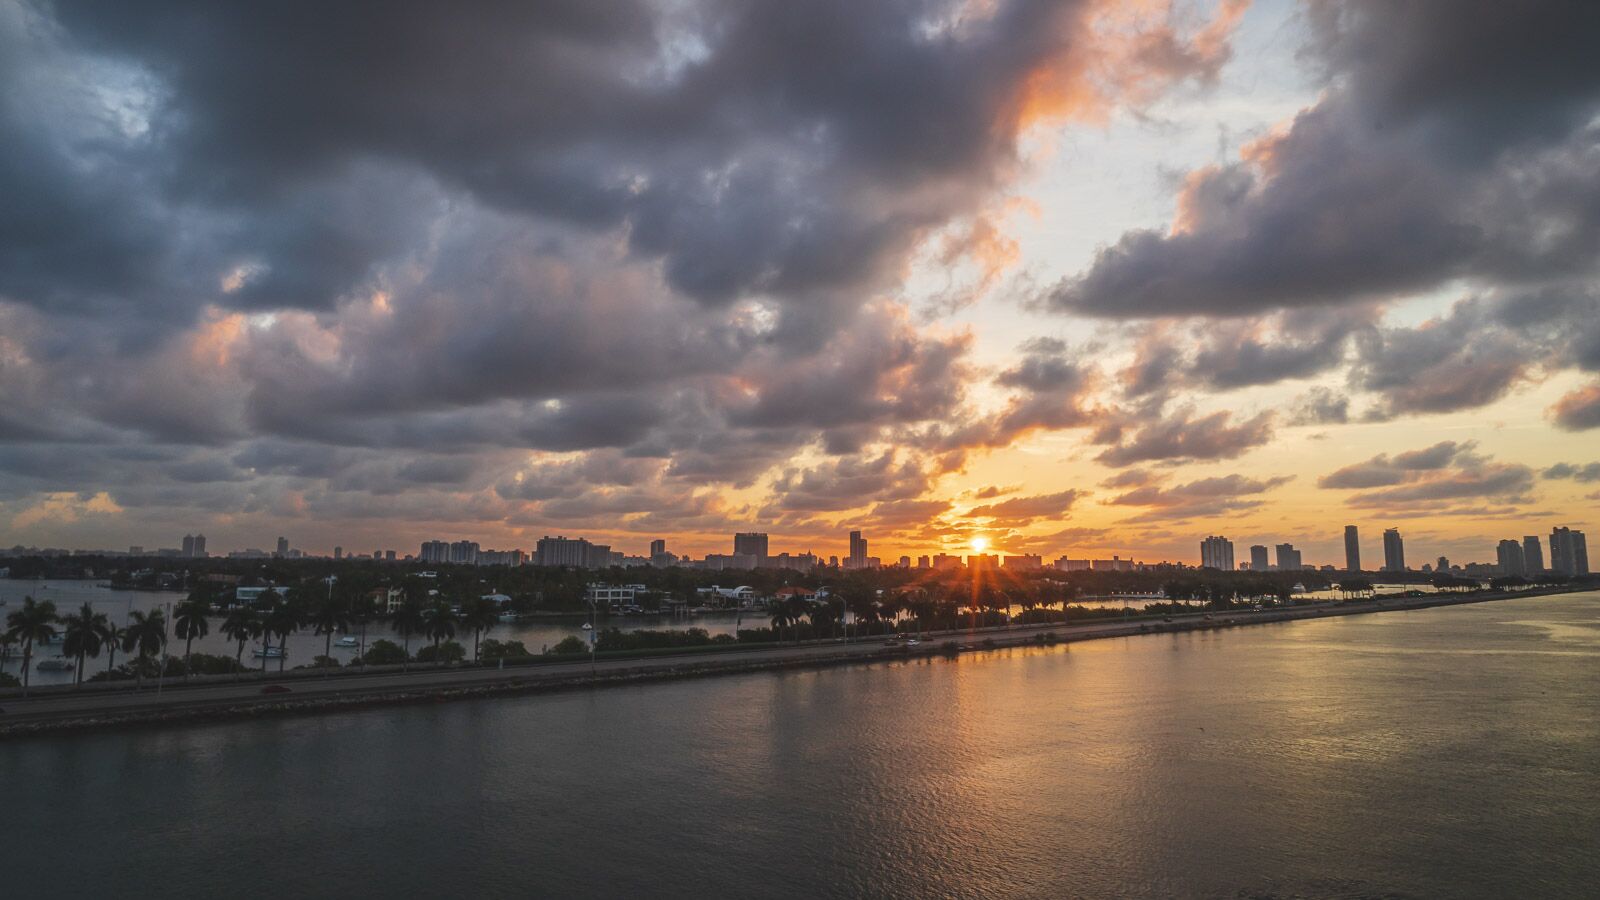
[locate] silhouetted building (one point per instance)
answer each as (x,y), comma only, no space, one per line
(1216,552)
(1532,555)
(1024,562)
(1394,551)
(1509,557)
(658,547)
(283,547)
(464,552)
(1288,558)
(1258,558)
(434,552)
(858,552)
(1569,552)
(1352,549)
(750,543)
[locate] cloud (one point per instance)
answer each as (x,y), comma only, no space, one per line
(1320,406)
(1205,497)
(1183,435)
(1578,473)
(1437,152)
(1434,477)
(1382,470)
(1578,410)
(1020,511)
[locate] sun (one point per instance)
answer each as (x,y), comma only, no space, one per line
(980,544)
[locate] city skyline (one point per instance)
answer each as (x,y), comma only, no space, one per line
(1524,556)
(1036,282)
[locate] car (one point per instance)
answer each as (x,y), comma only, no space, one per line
(1256,608)
(912,642)
(276,689)
(1166,618)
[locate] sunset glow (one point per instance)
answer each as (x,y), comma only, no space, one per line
(1093,278)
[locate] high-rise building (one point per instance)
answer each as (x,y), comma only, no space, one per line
(658,547)
(338,553)
(562,551)
(923,562)
(750,543)
(1532,555)
(858,551)
(1352,549)
(1569,552)
(1442,564)
(1394,551)
(1288,558)
(200,546)
(1509,557)
(1258,558)
(188,545)
(1216,552)
(283,547)
(388,556)
(435,552)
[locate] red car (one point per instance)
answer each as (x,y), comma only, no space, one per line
(275,689)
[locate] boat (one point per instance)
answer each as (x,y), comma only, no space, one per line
(271,653)
(56,664)
(347,642)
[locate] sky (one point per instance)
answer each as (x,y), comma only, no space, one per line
(1080,278)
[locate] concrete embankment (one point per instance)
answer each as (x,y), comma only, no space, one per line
(304,691)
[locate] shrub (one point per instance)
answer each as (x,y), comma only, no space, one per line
(9,680)
(384,653)
(493,649)
(449,652)
(569,644)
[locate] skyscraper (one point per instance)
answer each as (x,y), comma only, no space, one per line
(435,552)
(1258,558)
(338,553)
(1352,549)
(1509,557)
(188,545)
(200,546)
(283,547)
(658,547)
(750,543)
(1394,551)
(858,551)
(1288,558)
(1569,552)
(1216,552)
(1532,555)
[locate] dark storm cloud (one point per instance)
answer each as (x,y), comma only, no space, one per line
(1455,141)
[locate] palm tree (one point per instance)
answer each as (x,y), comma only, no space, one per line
(797,609)
(407,620)
(189,622)
(479,615)
(147,634)
(85,634)
(35,621)
(114,636)
(241,626)
(330,614)
(282,620)
(439,623)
